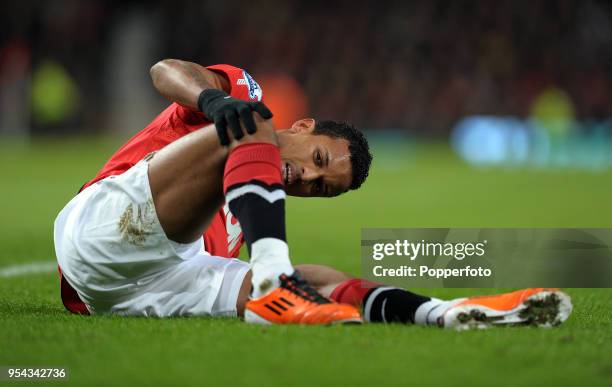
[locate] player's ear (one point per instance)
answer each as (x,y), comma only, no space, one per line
(305,125)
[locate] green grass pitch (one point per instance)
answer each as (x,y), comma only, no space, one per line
(411,186)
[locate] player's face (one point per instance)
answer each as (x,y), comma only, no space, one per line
(313,165)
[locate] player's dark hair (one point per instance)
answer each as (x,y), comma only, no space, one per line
(361,158)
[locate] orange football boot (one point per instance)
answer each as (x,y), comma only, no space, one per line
(536,306)
(296,302)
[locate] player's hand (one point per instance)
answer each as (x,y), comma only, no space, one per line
(225,111)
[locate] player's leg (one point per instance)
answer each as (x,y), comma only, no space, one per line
(244,293)
(187,184)
(186,181)
(189,180)
(540,307)
(201,285)
(255,195)
(324,278)
(115,255)
(380,303)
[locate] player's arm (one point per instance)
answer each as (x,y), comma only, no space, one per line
(183,82)
(198,88)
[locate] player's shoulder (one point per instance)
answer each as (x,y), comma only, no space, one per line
(243,85)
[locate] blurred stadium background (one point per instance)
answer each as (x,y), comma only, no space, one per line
(527,83)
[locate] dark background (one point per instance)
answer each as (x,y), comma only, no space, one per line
(419,66)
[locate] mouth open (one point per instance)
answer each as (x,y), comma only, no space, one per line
(286,173)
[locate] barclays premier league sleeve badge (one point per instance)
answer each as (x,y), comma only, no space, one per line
(255,92)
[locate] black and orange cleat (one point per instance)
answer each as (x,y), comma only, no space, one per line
(296,302)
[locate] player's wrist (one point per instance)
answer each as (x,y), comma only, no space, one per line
(207,98)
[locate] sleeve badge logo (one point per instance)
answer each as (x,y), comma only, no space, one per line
(255,92)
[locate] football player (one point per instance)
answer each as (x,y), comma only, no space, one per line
(157,231)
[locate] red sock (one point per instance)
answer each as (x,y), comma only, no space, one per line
(253,162)
(353,291)
(254,192)
(380,303)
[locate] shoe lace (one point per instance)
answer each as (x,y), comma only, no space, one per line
(297,285)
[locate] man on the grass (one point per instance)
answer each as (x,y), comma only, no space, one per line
(156,231)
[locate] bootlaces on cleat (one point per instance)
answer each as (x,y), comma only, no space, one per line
(297,285)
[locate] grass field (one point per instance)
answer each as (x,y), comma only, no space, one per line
(411,186)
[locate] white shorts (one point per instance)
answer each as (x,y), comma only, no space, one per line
(115,254)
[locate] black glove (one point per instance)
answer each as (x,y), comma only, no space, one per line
(225,111)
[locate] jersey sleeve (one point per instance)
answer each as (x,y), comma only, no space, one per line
(243,85)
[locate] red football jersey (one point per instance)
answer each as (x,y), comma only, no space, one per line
(224,236)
